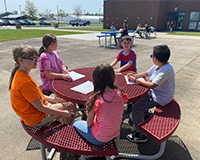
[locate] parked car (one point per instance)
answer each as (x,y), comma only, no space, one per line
(44,22)
(11,22)
(77,23)
(2,22)
(22,22)
(29,22)
(87,22)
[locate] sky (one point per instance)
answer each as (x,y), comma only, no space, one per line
(91,6)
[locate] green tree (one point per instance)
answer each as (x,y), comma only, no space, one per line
(62,13)
(14,12)
(41,14)
(51,15)
(30,10)
(47,13)
(77,11)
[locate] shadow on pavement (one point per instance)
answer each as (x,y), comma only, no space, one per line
(175,148)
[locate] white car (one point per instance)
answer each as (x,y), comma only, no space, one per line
(77,23)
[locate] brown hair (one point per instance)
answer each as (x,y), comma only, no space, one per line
(46,41)
(21,51)
(103,75)
(127,37)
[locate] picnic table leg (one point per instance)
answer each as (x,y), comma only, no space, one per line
(105,40)
(144,157)
(83,157)
(118,141)
(51,154)
(110,40)
(43,153)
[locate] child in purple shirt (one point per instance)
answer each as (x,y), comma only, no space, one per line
(51,64)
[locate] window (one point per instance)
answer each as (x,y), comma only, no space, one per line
(192,25)
(198,26)
(181,13)
(194,16)
(194,21)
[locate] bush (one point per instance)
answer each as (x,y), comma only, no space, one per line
(18,26)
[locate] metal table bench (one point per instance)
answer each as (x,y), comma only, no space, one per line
(160,126)
(65,138)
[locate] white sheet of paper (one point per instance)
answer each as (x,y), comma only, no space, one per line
(118,73)
(84,88)
(131,82)
(75,75)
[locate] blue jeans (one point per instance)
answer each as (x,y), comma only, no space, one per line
(86,132)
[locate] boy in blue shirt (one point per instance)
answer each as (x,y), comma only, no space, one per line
(162,88)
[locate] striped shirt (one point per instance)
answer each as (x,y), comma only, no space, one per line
(108,115)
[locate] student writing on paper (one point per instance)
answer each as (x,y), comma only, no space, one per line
(105,108)
(162,88)
(51,65)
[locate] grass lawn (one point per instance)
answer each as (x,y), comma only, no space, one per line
(185,33)
(14,34)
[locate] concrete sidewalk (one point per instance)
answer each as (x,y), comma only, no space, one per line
(83,51)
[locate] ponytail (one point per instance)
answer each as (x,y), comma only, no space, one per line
(41,50)
(12,75)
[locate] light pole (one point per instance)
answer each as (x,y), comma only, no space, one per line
(58,14)
(20,11)
(6,8)
(99,14)
(84,14)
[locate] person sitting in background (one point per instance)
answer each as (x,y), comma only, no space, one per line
(151,29)
(112,28)
(146,30)
(138,30)
(123,31)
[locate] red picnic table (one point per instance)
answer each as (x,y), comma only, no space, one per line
(62,88)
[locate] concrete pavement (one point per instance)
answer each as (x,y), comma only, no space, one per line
(83,51)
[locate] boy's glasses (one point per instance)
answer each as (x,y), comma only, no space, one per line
(32,59)
(151,55)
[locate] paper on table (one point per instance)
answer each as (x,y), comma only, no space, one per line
(84,88)
(75,75)
(131,82)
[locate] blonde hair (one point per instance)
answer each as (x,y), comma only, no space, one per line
(21,51)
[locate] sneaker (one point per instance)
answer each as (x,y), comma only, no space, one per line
(148,114)
(84,116)
(137,137)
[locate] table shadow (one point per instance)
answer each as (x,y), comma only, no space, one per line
(175,148)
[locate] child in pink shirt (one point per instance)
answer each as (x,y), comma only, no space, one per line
(105,108)
(51,65)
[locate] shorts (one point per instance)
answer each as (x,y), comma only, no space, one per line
(48,119)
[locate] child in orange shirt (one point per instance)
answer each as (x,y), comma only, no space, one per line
(26,98)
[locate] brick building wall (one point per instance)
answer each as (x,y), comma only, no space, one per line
(155,12)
